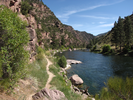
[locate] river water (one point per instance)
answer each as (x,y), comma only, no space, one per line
(95,69)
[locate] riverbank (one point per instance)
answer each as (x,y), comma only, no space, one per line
(65,84)
(114,52)
(111,50)
(70,61)
(35,81)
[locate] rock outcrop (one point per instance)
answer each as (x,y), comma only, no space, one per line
(73,62)
(48,94)
(42,24)
(76,80)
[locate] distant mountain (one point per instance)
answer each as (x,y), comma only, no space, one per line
(82,36)
(101,34)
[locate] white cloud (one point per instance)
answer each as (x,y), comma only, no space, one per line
(88,16)
(107,25)
(102,22)
(67,14)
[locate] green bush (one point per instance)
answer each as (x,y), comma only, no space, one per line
(25,8)
(106,48)
(117,89)
(40,53)
(94,48)
(126,49)
(13,39)
(62,62)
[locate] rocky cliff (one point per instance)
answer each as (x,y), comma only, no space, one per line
(44,28)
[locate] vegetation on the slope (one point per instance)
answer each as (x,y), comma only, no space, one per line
(128,31)
(59,83)
(13,39)
(123,33)
(92,43)
(119,34)
(37,70)
(120,38)
(117,89)
(25,7)
(106,48)
(62,61)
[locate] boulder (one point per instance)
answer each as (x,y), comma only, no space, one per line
(73,62)
(48,94)
(76,80)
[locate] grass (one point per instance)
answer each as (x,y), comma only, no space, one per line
(37,71)
(60,84)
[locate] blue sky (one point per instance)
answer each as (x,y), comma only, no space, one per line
(92,16)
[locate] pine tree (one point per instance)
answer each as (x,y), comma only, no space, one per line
(115,35)
(128,31)
(63,42)
(55,41)
(120,28)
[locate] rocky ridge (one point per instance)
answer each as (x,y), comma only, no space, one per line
(43,25)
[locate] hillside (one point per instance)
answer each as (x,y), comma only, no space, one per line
(44,28)
(82,37)
(30,35)
(107,38)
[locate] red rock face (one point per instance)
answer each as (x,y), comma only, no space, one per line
(40,12)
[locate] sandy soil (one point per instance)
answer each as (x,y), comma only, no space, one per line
(51,75)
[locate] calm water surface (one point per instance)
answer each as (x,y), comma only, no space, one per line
(97,68)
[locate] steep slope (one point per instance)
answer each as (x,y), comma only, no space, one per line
(44,28)
(81,37)
(51,32)
(106,39)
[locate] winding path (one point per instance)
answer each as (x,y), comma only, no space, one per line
(51,75)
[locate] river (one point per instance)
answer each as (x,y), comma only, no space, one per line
(95,69)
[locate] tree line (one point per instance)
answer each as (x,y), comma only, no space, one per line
(122,33)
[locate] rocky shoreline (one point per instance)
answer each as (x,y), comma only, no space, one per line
(70,61)
(75,80)
(84,92)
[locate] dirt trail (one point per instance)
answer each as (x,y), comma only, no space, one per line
(51,75)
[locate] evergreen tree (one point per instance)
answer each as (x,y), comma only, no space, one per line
(63,42)
(55,42)
(128,31)
(120,29)
(115,35)
(62,62)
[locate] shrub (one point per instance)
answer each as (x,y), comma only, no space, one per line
(25,8)
(13,38)
(117,89)
(62,62)
(40,53)
(106,48)
(126,49)
(48,53)
(94,48)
